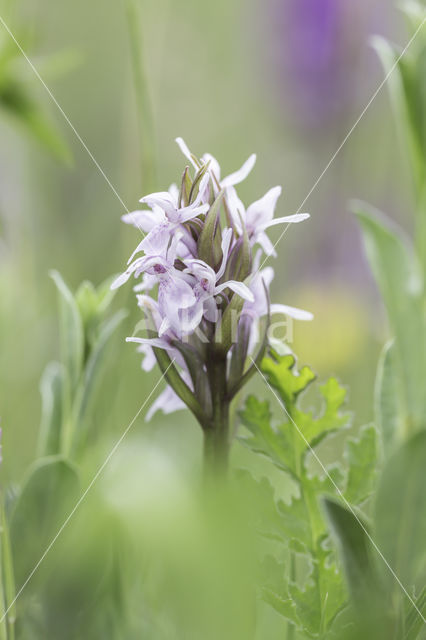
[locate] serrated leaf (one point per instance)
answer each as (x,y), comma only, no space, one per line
(361,456)
(282,377)
(312,605)
(275,590)
(273,442)
(320,598)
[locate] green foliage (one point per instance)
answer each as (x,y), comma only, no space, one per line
(19,102)
(385,563)
(387,410)
(50,491)
(356,550)
(7,582)
(406,82)
(400,512)
(307,586)
(398,276)
(69,389)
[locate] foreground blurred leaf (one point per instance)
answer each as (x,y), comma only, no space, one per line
(49,493)
(15,100)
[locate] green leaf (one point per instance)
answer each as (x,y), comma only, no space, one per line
(413,621)
(308,430)
(361,455)
(206,239)
(400,513)
(90,381)
(356,551)
(178,385)
(399,279)
(185,188)
(51,388)
(72,355)
(275,590)
(273,442)
(48,495)
(386,407)
(311,593)
(71,332)
(281,375)
(17,102)
(405,81)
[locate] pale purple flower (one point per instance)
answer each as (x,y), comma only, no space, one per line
(197,262)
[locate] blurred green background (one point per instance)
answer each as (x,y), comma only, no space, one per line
(230,77)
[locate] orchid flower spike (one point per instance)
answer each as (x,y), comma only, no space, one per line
(201,288)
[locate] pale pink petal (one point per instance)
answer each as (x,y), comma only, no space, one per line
(238,287)
(293,312)
(241,174)
(296,217)
(167,402)
(261,212)
(186,152)
(226,243)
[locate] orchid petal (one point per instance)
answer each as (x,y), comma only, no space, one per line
(186,152)
(167,402)
(226,243)
(261,212)
(241,174)
(296,217)
(238,287)
(153,342)
(293,312)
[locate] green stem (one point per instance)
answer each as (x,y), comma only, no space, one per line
(216,429)
(146,127)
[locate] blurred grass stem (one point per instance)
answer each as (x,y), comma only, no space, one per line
(145,119)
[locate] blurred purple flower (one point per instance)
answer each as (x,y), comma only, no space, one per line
(316,43)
